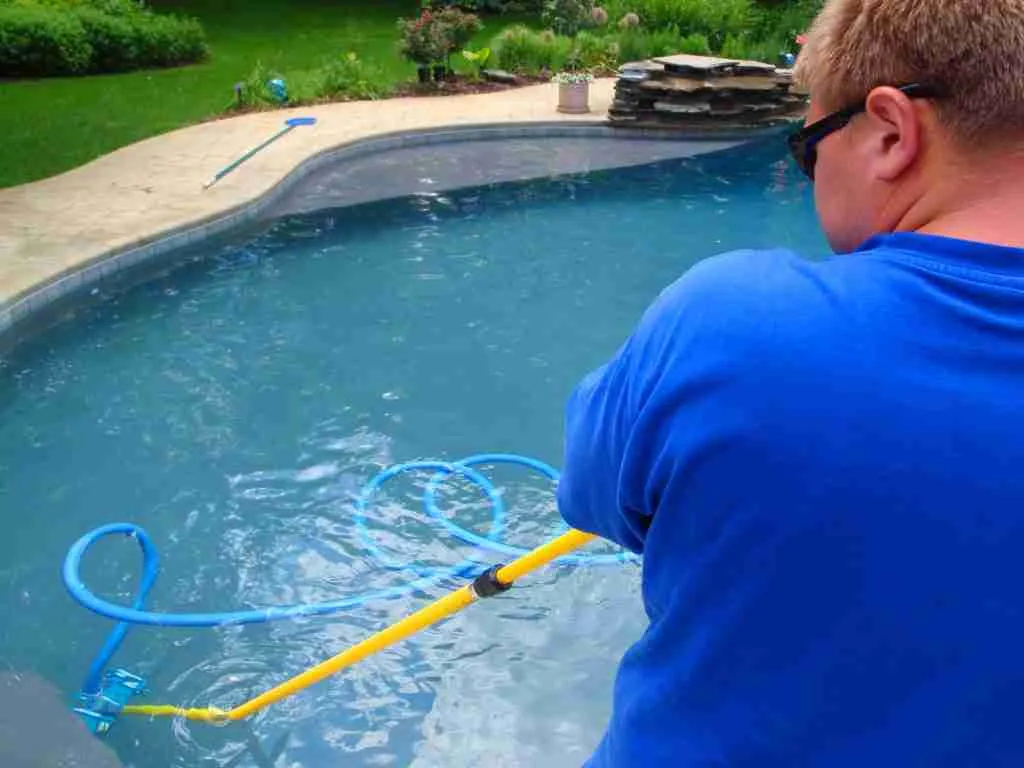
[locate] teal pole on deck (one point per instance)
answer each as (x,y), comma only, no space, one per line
(290,123)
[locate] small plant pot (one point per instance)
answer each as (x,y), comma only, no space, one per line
(574,98)
(440,73)
(423,74)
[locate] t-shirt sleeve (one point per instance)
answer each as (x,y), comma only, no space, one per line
(631,423)
(598,425)
(600,491)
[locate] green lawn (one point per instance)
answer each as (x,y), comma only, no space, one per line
(51,125)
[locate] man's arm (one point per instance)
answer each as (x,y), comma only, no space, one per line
(599,425)
(632,425)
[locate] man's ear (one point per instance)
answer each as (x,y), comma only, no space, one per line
(893,128)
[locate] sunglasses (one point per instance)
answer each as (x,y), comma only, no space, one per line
(803,144)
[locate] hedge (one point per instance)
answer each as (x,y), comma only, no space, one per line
(37,41)
(48,38)
(115,7)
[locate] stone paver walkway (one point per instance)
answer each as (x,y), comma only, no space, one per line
(49,227)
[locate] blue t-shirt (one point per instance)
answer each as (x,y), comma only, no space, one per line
(823,466)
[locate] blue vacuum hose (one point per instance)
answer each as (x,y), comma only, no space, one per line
(423,576)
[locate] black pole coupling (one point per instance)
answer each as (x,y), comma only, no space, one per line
(487,584)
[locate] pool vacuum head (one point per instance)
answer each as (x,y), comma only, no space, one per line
(99,710)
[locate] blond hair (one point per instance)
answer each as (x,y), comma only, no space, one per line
(972,49)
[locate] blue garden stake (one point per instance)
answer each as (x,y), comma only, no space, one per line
(290,123)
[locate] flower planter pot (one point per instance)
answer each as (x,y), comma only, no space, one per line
(423,74)
(574,98)
(440,73)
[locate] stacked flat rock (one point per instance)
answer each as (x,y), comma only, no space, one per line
(691,91)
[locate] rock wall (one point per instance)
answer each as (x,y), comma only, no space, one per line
(693,91)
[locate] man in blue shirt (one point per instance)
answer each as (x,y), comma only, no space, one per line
(822,463)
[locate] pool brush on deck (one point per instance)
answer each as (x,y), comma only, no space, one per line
(290,123)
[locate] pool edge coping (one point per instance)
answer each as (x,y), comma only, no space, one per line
(18,310)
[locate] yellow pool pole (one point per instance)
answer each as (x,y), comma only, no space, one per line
(490,583)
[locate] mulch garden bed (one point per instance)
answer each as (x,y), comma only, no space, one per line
(459,86)
(453,86)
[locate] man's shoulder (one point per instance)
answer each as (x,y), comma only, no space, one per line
(758,275)
(746,295)
(744,322)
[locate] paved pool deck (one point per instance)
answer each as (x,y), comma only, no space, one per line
(53,228)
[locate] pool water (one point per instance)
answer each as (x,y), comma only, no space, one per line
(235,405)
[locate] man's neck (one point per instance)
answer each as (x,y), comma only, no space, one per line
(985,204)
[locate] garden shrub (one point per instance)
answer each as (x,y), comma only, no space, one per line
(40,41)
(113,7)
(165,41)
(254,90)
(489,6)
(477,59)
(435,35)
(514,6)
(459,28)
(113,38)
(521,49)
(637,45)
(514,49)
(61,37)
(761,30)
(743,47)
(351,77)
(421,40)
(552,51)
(665,42)
(629,21)
(715,19)
(567,17)
(634,45)
(695,44)
(595,52)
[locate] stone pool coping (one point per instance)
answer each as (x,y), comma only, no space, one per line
(63,235)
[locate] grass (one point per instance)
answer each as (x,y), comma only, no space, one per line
(52,125)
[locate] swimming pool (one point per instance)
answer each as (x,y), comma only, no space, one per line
(235,405)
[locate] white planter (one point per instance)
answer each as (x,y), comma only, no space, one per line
(574,98)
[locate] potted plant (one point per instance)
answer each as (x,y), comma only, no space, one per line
(429,39)
(422,42)
(454,30)
(573,91)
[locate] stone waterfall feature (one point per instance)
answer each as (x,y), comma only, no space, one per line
(704,91)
